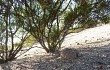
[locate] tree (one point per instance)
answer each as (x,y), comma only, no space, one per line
(10,27)
(93,12)
(42,18)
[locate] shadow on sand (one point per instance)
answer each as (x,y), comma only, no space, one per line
(93,58)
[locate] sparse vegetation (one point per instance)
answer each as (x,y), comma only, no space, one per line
(9,29)
(30,41)
(46,22)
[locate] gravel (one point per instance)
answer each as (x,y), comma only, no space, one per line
(93,44)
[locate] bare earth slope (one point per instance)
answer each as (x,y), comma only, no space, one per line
(93,44)
(89,35)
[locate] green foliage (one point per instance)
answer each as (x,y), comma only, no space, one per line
(10,28)
(42,19)
(30,41)
(43,23)
(88,13)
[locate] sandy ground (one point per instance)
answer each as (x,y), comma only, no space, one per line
(89,35)
(93,44)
